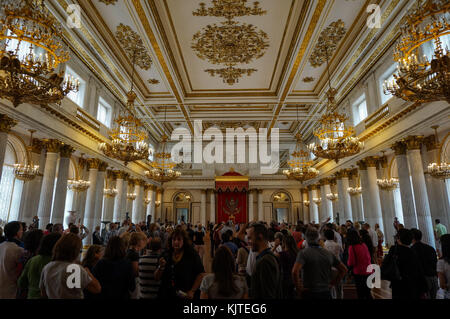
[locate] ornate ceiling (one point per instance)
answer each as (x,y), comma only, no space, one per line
(188,50)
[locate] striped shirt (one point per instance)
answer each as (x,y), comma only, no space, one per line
(148,285)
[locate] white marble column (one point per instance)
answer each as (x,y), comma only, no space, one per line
(151,206)
(6,124)
(119,176)
(305,209)
(251,209)
(129,202)
(366,195)
(32,189)
(344,201)
(99,194)
(424,222)
(260,205)
(89,215)
(108,208)
(437,190)
(80,203)
(61,184)
(374,215)
(212,214)
(138,202)
(158,214)
(313,208)
(326,208)
(406,192)
(48,182)
(203,208)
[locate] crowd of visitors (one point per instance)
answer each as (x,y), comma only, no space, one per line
(255,260)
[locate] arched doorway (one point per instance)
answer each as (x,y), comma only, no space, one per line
(281,207)
(182,207)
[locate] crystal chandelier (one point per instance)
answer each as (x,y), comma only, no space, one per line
(78,186)
(306,202)
(386,183)
(110,192)
(27,172)
(300,165)
(332,197)
(163,169)
(336,137)
(131,196)
(423,76)
(128,137)
(31,50)
(317,200)
(354,191)
(439,170)
(147,201)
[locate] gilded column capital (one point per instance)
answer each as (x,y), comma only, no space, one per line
(371,161)
(352,172)
(399,148)
(382,160)
(121,175)
(324,181)
(148,187)
(93,163)
(82,162)
(342,173)
(362,165)
(52,145)
(303,190)
(131,181)
(414,142)
(37,146)
(430,142)
(102,166)
(333,181)
(110,174)
(6,123)
(66,150)
(140,182)
(260,191)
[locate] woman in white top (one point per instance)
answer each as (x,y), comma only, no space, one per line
(64,277)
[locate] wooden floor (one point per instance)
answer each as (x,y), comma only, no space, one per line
(349,289)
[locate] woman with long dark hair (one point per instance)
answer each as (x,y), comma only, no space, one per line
(180,268)
(287,259)
(114,272)
(223,283)
(359,258)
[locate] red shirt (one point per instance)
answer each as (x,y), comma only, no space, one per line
(297,236)
(359,258)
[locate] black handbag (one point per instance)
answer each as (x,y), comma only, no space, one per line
(389,269)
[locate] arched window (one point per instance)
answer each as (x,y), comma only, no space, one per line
(10,187)
(281,207)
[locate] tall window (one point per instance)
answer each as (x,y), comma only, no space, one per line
(360,109)
(10,189)
(76,97)
(104,112)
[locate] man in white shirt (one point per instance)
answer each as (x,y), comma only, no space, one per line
(10,254)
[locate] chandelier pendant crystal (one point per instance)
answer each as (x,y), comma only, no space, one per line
(354,191)
(31,50)
(423,64)
(131,196)
(27,172)
(300,165)
(332,197)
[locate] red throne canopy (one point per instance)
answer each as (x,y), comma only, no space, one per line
(232,190)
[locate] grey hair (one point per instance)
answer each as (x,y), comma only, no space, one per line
(312,235)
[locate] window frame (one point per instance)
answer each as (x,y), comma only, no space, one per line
(356,109)
(81,94)
(103,103)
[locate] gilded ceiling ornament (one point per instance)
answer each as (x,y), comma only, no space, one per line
(327,43)
(108,2)
(231,42)
(132,44)
(153,81)
(229,9)
(308,79)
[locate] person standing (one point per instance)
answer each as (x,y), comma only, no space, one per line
(148,264)
(359,259)
(443,266)
(439,231)
(316,265)
(266,279)
(428,261)
(287,260)
(199,243)
(11,251)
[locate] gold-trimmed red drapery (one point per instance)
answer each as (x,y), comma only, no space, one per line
(232,190)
